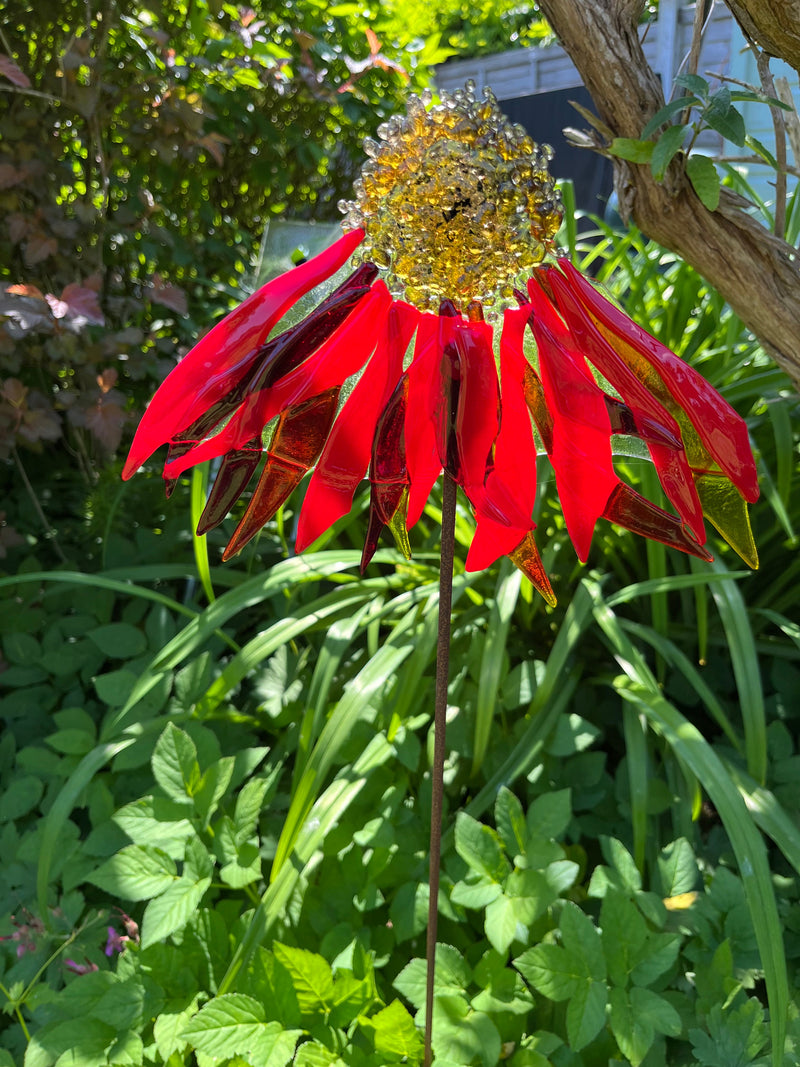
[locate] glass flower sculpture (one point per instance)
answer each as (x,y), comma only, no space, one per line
(455,211)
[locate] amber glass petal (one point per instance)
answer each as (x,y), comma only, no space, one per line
(296,443)
(725,507)
(631,510)
(233,476)
(347,451)
(226,353)
(526,557)
(388,475)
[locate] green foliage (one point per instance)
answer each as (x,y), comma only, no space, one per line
(698,109)
(145,150)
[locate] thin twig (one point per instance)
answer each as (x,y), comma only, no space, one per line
(768,87)
(439,746)
(37,507)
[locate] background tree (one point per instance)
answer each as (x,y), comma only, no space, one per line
(754,270)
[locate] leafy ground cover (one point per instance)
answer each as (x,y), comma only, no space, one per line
(214,784)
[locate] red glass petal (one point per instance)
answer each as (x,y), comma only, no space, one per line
(333,362)
(346,454)
(468,415)
(581,453)
(422,453)
(225,354)
(388,474)
(719,427)
(671,463)
(296,443)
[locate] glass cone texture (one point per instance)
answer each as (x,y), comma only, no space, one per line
(432,393)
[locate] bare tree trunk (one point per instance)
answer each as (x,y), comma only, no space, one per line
(756,272)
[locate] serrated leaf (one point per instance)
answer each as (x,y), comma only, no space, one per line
(114,687)
(395,1033)
(156,821)
(136,873)
(586,1014)
(248,807)
(582,937)
(502,924)
(212,787)
(667,146)
(552,970)
(510,820)
(21,796)
(549,815)
(632,150)
(677,868)
(174,763)
(311,977)
(475,892)
(171,911)
(705,180)
(479,848)
(451,978)
(233,1025)
(86,1037)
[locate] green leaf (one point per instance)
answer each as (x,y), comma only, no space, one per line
(22,648)
(475,892)
(669,143)
(170,912)
(174,762)
(736,1037)
(693,83)
(632,150)
(249,802)
(395,1033)
(552,970)
(666,112)
(723,117)
(452,976)
(233,1025)
(115,687)
(156,821)
(479,847)
(311,977)
(212,787)
(586,1014)
(136,873)
(21,796)
(705,179)
(550,814)
(118,640)
(510,820)
(502,923)
(86,1039)
(677,868)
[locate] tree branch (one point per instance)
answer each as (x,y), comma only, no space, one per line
(775,27)
(756,272)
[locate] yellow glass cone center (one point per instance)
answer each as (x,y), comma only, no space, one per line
(456,201)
